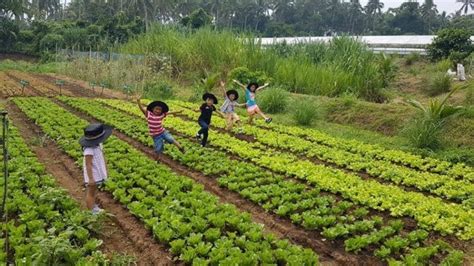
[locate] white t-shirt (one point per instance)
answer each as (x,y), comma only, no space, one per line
(98,164)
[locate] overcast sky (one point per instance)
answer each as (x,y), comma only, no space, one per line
(450,6)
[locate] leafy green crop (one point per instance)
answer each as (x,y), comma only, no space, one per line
(303,205)
(46,226)
(432,213)
(181,210)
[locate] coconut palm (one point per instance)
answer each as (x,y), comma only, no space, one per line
(374,7)
(466,4)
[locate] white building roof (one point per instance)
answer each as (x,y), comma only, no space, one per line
(396,41)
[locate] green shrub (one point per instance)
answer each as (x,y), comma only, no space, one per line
(51,42)
(469,100)
(439,83)
(245,76)
(449,41)
(425,129)
(443,66)
(305,112)
(158,89)
(412,58)
(273,100)
(424,133)
(198,18)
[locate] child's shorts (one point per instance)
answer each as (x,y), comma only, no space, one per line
(252,110)
(99,183)
(232,117)
(159,141)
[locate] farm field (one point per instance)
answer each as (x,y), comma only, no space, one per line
(271,194)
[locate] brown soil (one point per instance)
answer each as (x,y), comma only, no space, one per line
(122,233)
(73,88)
(330,252)
(28,89)
(109,93)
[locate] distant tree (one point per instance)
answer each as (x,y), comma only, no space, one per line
(374,7)
(466,5)
(449,41)
(408,18)
(199,18)
(8,34)
(429,12)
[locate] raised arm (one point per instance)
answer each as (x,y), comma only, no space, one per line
(263,87)
(142,107)
(222,87)
(240,84)
(175,112)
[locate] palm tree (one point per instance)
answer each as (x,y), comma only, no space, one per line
(374,7)
(466,4)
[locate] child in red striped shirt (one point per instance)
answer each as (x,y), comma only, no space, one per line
(155,112)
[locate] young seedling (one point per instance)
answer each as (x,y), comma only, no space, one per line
(92,85)
(24,83)
(60,84)
(128,90)
(102,84)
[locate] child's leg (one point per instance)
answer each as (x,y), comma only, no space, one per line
(204,131)
(259,112)
(230,121)
(158,144)
(168,138)
(205,136)
(251,119)
(90,197)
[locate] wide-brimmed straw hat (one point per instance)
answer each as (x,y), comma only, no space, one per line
(94,134)
(209,96)
(236,94)
(152,105)
(252,84)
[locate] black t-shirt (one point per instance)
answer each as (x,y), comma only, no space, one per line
(206,113)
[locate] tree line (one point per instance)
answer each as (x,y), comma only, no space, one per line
(97,24)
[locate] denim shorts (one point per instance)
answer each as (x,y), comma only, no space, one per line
(159,141)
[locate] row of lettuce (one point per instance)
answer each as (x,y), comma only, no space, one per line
(459,170)
(334,218)
(194,225)
(45,226)
(445,186)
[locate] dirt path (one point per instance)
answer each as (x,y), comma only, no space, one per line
(123,233)
(330,252)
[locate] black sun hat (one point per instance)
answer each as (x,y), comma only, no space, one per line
(94,134)
(229,92)
(252,84)
(152,105)
(209,96)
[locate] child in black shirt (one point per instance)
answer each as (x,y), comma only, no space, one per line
(204,120)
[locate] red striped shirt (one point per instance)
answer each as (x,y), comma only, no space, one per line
(155,123)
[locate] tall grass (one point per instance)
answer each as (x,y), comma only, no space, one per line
(114,74)
(439,83)
(273,100)
(342,66)
(306,111)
